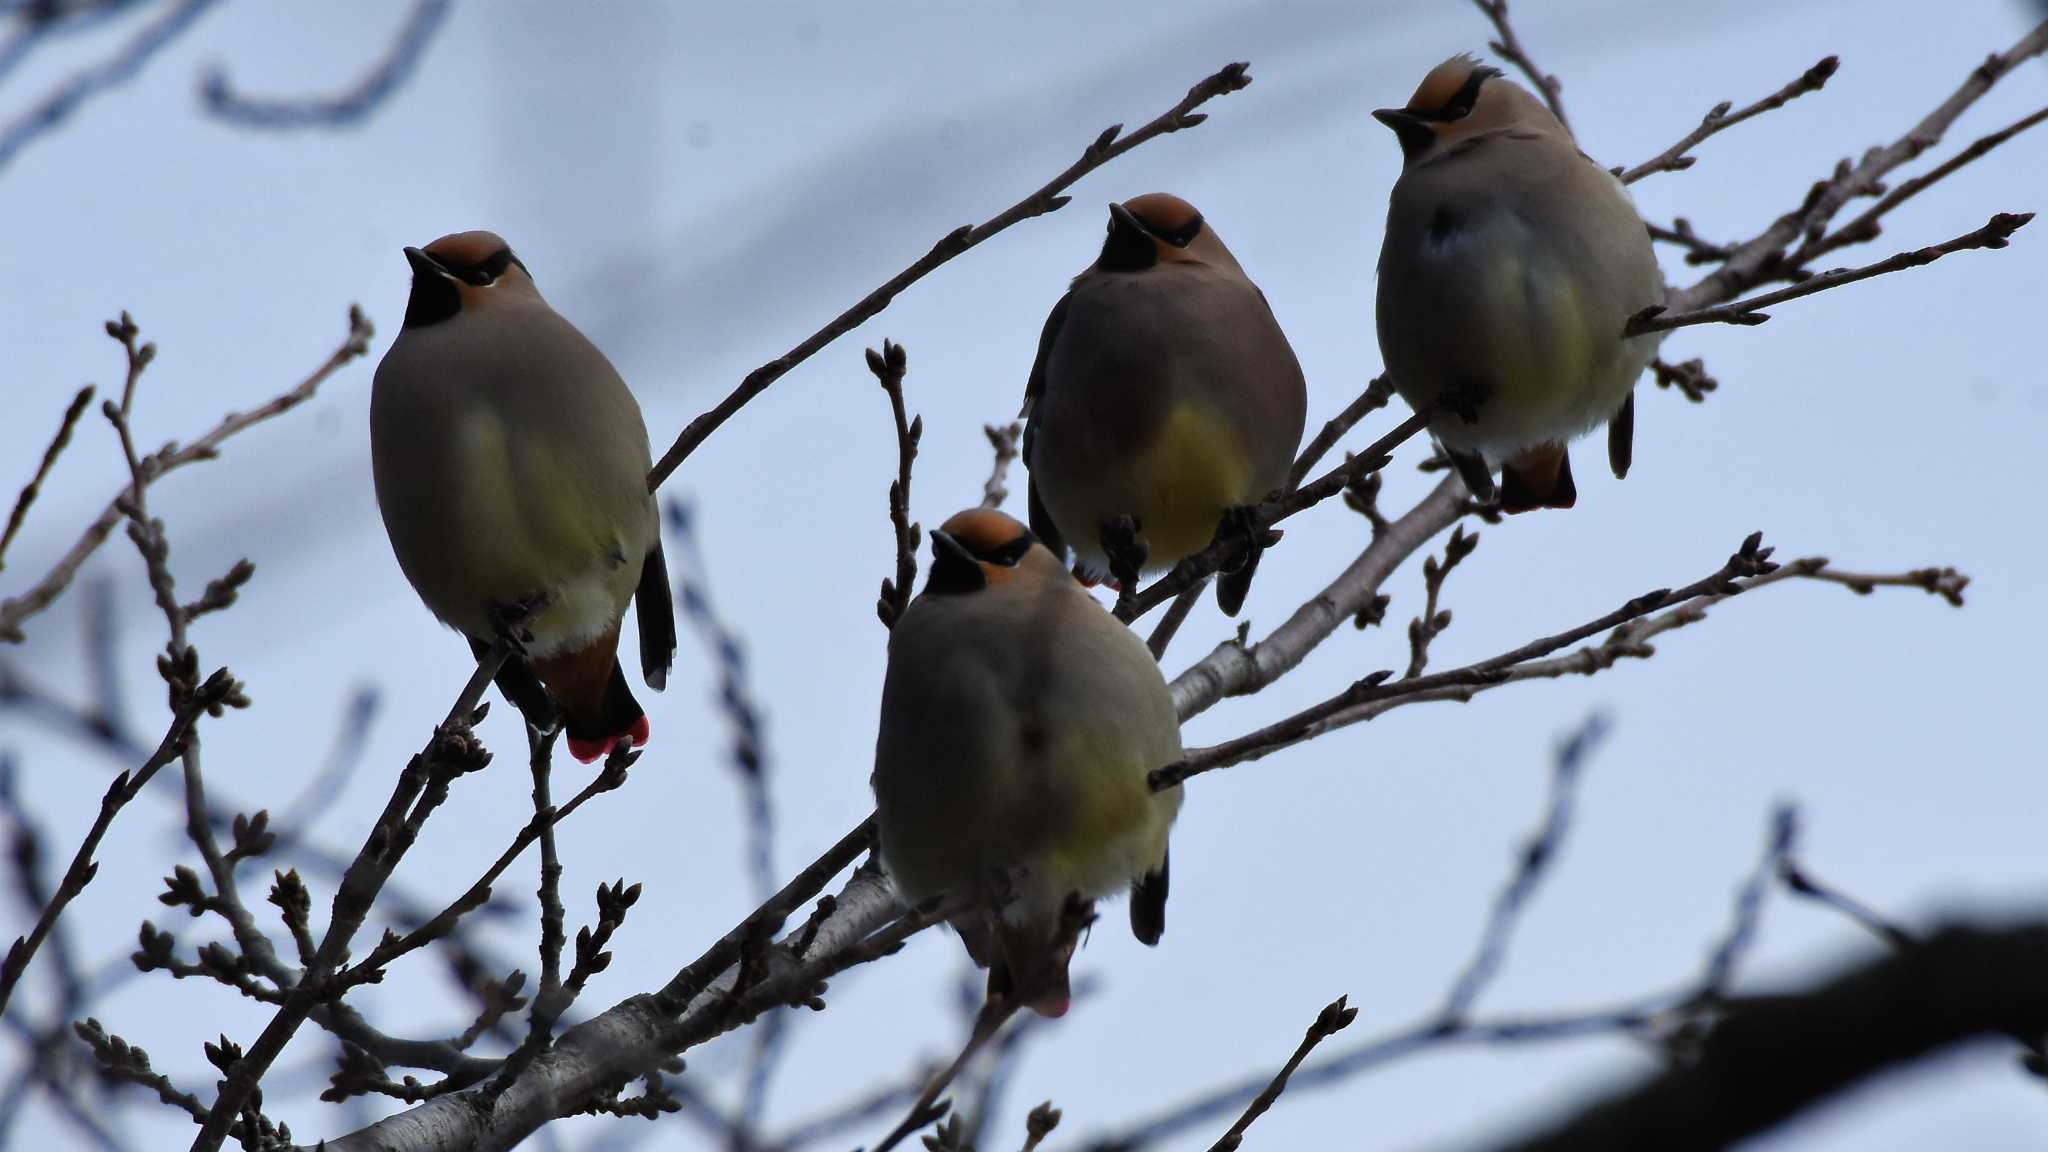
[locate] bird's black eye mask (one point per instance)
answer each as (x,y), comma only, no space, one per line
(957,568)
(1184,235)
(1129,246)
(1460,104)
(434,295)
(486,271)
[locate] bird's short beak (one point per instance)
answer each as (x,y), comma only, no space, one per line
(423,264)
(946,547)
(954,568)
(1125,222)
(1399,119)
(1130,247)
(1413,131)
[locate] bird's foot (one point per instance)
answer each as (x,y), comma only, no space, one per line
(1123,543)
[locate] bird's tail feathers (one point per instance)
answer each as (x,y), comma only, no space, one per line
(598,708)
(1539,477)
(1030,966)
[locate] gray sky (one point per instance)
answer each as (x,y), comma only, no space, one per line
(701,187)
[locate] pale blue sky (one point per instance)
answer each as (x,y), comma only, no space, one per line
(701,187)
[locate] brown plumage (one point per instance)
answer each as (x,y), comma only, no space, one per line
(1163,389)
(511,467)
(1510,265)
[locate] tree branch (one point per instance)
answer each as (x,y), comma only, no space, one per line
(888,366)
(1656,318)
(15,610)
(1750,567)
(1111,144)
(1718,119)
(1510,49)
(1771,1058)
(35,484)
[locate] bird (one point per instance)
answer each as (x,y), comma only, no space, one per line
(1510,264)
(1019,725)
(511,467)
(1163,390)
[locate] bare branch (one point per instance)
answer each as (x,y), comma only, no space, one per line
(1689,377)
(218,690)
(1433,621)
(1697,250)
(46,114)
(1331,1020)
(1994,234)
(888,366)
(1532,864)
(1192,570)
(1106,147)
(1866,227)
(1235,668)
(1718,118)
(16,610)
(1772,1058)
(1750,567)
(345,108)
(1763,257)
(1004,441)
(1169,624)
(35,484)
(1510,49)
(1801,883)
(1374,398)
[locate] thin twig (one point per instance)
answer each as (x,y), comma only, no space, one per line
(1169,624)
(1374,398)
(1750,567)
(369,968)
(422,787)
(1003,441)
(1431,624)
(1333,1019)
(35,484)
(345,108)
(927,1108)
(1996,233)
(1511,50)
(1866,226)
(547,996)
(1801,883)
(1697,250)
(58,105)
(1192,570)
(888,366)
(1532,864)
(17,609)
(1740,937)
(218,689)
(1107,146)
(1718,118)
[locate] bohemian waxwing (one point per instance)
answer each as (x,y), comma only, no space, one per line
(1510,265)
(1019,724)
(511,467)
(1163,390)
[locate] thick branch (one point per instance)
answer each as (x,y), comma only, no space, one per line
(1771,1058)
